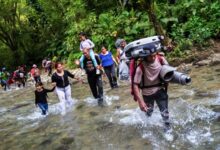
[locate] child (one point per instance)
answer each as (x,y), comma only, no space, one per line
(41,97)
(88,45)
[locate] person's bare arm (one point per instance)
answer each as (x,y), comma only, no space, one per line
(140,100)
(118,55)
(114,60)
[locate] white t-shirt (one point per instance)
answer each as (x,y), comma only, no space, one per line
(86,44)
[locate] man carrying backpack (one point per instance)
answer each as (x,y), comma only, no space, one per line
(146,78)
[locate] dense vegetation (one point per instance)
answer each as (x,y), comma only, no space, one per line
(33,29)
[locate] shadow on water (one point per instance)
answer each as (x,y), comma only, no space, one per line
(194,112)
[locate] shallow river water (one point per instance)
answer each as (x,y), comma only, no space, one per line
(194,112)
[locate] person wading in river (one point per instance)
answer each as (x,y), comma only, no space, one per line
(108,63)
(63,88)
(122,60)
(35,73)
(152,89)
(41,97)
(94,79)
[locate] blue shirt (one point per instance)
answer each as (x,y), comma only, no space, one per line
(106,59)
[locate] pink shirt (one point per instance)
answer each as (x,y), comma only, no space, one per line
(151,76)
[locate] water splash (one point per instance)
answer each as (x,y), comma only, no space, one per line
(107,99)
(54,109)
(191,124)
(110,99)
(3,110)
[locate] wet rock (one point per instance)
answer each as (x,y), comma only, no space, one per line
(104,125)
(117,106)
(202,94)
(215,59)
(203,62)
(184,68)
(92,113)
(215,108)
(46,142)
(80,106)
(67,140)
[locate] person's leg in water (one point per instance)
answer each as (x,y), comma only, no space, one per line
(39,79)
(1,83)
(162,102)
(81,61)
(43,107)
(100,90)
(92,85)
(23,82)
(92,55)
(49,71)
(35,79)
(4,84)
(19,82)
(61,95)
(8,84)
(114,78)
(108,74)
(149,101)
(68,97)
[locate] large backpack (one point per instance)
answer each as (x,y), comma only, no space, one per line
(133,67)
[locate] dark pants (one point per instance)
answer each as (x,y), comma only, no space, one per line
(49,69)
(161,99)
(37,79)
(95,83)
(20,81)
(5,84)
(43,107)
(110,72)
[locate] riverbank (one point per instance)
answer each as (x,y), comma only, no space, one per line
(200,56)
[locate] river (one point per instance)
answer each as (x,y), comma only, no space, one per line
(194,112)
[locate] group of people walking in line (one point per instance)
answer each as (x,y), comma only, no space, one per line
(147,74)
(95,65)
(21,75)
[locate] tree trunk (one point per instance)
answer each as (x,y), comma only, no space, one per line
(153,19)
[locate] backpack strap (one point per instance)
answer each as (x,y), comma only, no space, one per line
(142,86)
(122,53)
(159,56)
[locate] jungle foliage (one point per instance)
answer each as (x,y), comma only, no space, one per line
(33,29)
